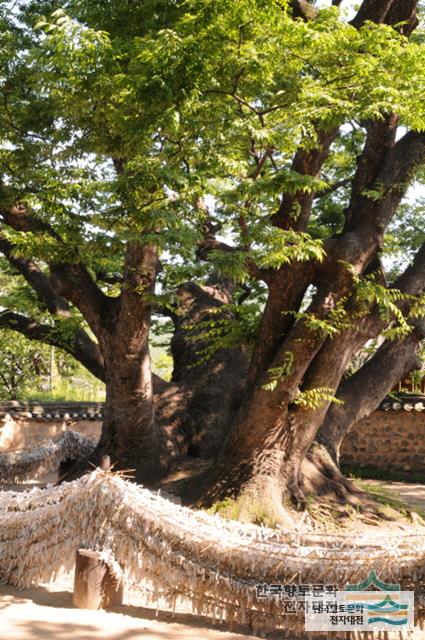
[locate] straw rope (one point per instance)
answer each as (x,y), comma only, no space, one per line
(31,464)
(179,553)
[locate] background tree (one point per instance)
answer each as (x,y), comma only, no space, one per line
(21,361)
(235,166)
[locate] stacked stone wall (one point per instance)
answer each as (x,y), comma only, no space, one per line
(392,439)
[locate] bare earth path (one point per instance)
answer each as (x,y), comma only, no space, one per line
(411,494)
(47,613)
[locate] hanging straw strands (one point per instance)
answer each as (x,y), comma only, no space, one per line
(31,464)
(179,553)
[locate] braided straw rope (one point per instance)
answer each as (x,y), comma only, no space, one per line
(179,553)
(31,464)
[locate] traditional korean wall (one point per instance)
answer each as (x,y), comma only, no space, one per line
(27,424)
(389,439)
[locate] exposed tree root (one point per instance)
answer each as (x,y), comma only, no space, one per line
(322,478)
(324,493)
(329,498)
(258,503)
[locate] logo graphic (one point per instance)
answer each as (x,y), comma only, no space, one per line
(370,605)
(372,581)
(390,610)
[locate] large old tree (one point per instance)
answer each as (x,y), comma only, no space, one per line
(242,169)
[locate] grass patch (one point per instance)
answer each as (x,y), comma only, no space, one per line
(386,498)
(244,509)
(87,389)
(227,508)
(375,473)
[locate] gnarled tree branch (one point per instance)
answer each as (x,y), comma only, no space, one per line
(364,390)
(72,281)
(80,346)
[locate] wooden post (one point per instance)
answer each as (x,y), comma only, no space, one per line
(105,463)
(94,585)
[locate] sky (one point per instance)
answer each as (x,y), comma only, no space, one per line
(347,5)
(416,191)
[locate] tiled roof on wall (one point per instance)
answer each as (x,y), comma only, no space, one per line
(67,411)
(403,401)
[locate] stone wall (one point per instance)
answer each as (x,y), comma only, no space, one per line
(391,439)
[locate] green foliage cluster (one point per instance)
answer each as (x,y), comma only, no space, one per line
(315,398)
(278,374)
(20,363)
(117,117)
(191,97)
(35,371)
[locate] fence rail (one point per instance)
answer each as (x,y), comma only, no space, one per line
(175,552)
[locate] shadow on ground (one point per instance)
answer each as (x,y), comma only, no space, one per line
(39,630)
(42,613)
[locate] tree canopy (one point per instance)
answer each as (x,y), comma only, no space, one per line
(261,152)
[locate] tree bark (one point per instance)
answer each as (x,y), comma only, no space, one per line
(212,387)
(130,433)
(364,390)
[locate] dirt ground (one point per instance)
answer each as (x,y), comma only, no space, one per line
(409,493)
(47,613)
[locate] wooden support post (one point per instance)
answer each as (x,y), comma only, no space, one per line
(94,585)
(105,463)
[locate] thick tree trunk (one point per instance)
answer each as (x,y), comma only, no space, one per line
(258,466)
(264,461)
(140,410)
(212,387)
(130,434)
(362,393)
(252,482)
